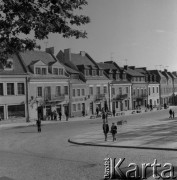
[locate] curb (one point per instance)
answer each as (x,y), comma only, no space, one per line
(117,146)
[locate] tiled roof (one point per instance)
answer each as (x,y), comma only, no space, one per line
(132,72)
(18,68)
(78,59)
(107,65)
(30,56)
(70,70)
(157,72)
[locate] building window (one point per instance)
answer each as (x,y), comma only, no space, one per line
(141,91)
(66,90)
(101,72)
(55,71)
(44,71)
(58,90)
(104,89)
(78,92)
(138,92)
(79,107)
(38,70)
(126,90)
(113,91)
(157,90)
(39,91)
(98,90)
(157,101)
(87,72)
(1,89)
(94,73)
(125,103)
(153,89)
(74,92)
(16,111)
(74,107)
(120,91)
(91,90)
(10,89)
(83,92)
(21,88)
(117,104)
(60,71)
(149,91)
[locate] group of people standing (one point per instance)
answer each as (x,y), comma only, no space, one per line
(106,130)
(52,115)
(172,114)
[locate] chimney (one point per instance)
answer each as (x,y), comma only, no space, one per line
(125,67)
(50,50)
(67,54)
(82,53)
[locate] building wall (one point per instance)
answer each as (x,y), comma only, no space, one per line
(35,101)
(78,102)
(153,94)
(121,105)
(137,99)
(91,102)
(16,99)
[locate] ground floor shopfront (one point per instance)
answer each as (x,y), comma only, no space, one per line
(139,102)
(12,111)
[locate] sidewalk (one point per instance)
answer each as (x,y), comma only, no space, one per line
(158,134)
(22,122)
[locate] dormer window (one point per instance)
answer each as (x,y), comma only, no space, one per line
(94,72)
(38,70)
(55,71)
(9,64)
(60,71)
(44,71)
(101,72)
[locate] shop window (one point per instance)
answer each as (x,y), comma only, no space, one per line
(10,89)
(16,111)
(1,112)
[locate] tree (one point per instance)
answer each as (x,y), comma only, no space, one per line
(41,17)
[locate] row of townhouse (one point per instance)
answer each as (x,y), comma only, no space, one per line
(36,83)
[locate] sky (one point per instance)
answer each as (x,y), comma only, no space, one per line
(143,32)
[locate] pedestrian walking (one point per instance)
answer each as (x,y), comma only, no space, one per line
(59,114)
(103,117)
(170,112)
(105,130)
(67,115)
(55,115)
(97,111)
(38,123)
(113,131)
(173,114)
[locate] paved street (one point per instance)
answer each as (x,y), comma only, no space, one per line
(26,154)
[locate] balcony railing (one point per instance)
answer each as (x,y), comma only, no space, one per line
(140,96)
(99,97)
(60,97)
(121,97)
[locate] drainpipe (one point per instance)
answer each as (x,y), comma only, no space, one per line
(70,98)
(27,102)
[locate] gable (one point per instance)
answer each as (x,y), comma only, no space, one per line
(39,63)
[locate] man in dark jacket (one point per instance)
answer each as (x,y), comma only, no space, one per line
(113,131)
(105,130)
